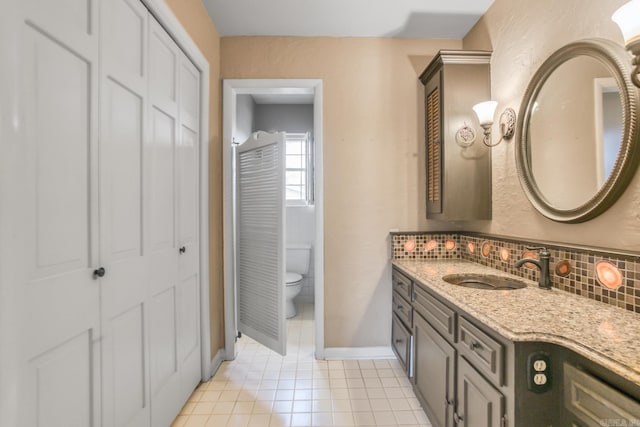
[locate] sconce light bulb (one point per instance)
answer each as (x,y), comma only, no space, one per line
(627,18)
(485,112)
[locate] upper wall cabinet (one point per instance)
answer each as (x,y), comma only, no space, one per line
(458,174)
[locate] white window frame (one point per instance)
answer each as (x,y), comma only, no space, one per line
(308,170)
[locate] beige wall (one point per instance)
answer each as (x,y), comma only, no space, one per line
(522,34)
(194,18)
(373,140)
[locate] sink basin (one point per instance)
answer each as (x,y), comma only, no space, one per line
(484,281)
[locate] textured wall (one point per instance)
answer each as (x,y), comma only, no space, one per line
(522,34)
(373,142)
(194,18)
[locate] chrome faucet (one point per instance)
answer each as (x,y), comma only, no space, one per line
(542,263)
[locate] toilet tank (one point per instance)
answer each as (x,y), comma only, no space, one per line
(298,257)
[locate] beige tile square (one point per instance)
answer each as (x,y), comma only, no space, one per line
(262,407)
(301,406)
(339,393)
(321,406)
(259,420)
(376,393)
(384,418)
(352,373)
(366,364)
(358,393)
(238,420)
(196,421)
(386,373)
(228,396)
(322,393)
(343,419)
(382,364)
(304,384)
(389,382)
(338,383)
(303,395)
(300,420)
(405,417)
(280,420)
(355,383)
(243,408)
(360,405)
(283,406)
(373,382)
(399,404)
(394,393)
(286,384)
(195,396)
(321,383)
(217,420)
(284,395)
(322,419)
(269,385)
(380,405)
(223,408)
(266,395)
(364,419)
(210,396)
(369,373)
(304,375)
(341,405)
(335,364)
(246,396)
(203,408)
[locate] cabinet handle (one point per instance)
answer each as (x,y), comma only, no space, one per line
(448,402)
(100,272)
(182,250)
(398,341)
(400,307)
(475,346)
(457,418)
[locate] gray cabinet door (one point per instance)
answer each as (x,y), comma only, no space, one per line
(479,404)
(434,372)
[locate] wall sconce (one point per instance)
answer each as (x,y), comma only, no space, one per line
(485,112)
(627,19)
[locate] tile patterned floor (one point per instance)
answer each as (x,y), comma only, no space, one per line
(262,388)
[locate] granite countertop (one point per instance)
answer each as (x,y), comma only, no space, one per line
(602,333)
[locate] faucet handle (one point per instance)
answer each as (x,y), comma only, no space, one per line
(543,250)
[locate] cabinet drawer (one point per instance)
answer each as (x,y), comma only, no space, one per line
(401,343)
(441,317)
(593,401)
(483,352)
(403,310)
(401,284)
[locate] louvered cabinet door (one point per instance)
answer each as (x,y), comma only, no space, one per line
(433,141)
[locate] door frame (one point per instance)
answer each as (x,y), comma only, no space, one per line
(166,18)
(231,88)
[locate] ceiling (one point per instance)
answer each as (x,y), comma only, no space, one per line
(346,18)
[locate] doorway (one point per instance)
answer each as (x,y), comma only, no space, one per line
(280,92)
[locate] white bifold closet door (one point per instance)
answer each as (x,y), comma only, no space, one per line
(260,262)
(60,327)
(112,311)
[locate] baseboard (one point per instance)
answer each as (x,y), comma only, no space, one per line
(342,353)
(216,362)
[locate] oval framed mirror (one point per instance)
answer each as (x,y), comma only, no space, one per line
(577,131)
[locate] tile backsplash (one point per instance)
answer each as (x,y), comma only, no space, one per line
(573,269)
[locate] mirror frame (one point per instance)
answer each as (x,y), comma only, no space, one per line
(617,60)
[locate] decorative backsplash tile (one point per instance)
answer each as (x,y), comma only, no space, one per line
(573,269)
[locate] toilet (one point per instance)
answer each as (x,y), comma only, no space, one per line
(297,263)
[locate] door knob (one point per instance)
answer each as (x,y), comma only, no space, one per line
(183,249)
(99,272)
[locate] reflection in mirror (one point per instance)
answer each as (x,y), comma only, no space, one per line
(578,131)
(575,132)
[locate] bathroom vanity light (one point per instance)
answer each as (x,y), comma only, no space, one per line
(485,112)
(627,19)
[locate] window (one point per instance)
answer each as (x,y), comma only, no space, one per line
(299,169)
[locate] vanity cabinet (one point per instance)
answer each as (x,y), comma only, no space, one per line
(402,320)
(479,404)
(458,178)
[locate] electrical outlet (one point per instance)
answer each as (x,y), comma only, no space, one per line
(539,372)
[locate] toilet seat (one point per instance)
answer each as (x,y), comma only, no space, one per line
(293,278)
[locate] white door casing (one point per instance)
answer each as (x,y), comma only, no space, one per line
(260,216)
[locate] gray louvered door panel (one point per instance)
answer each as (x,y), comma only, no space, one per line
(260,240)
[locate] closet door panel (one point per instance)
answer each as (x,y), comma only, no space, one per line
(59,327)
(164,253)
(125,368)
